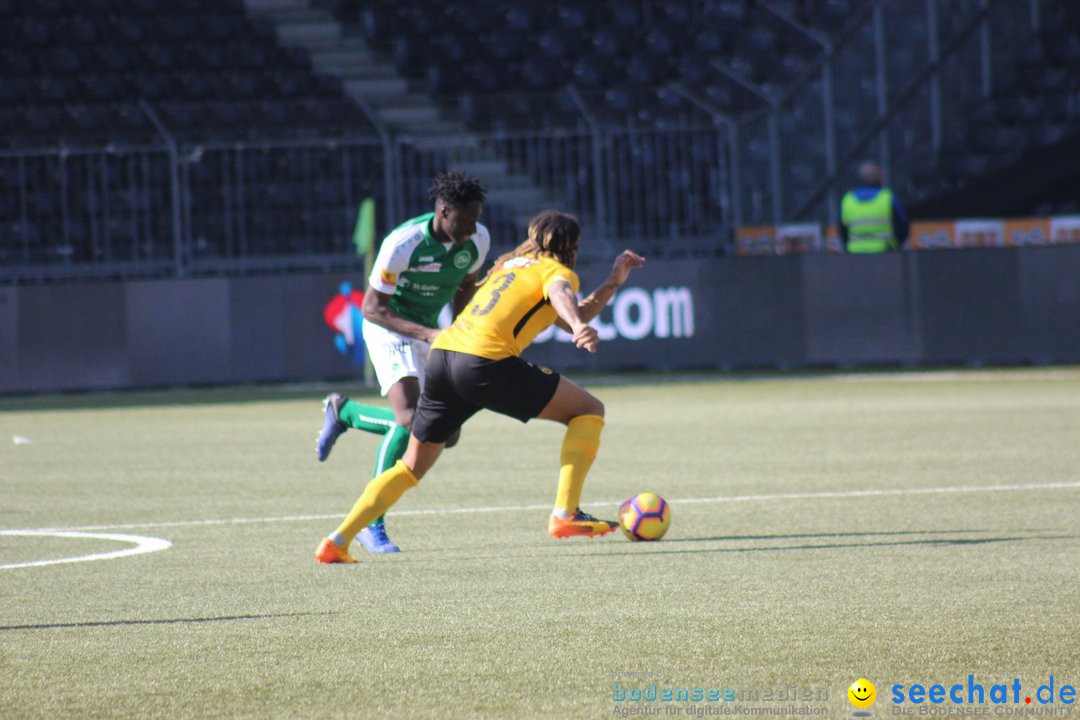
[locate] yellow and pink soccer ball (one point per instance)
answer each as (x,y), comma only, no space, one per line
(645,517)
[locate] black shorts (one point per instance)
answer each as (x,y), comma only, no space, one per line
(458,385)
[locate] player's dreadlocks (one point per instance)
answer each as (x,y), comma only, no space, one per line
(551,233)
(456,189)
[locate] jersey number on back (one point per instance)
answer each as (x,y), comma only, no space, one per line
(496,293)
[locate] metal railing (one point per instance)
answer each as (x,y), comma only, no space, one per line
(896,84)
(175,211)
(226,208)
(63,211)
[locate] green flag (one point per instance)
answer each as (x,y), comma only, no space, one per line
(364,233)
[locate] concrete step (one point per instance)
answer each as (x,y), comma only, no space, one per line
(494,173)
(526,212)
(441,136)
(502,181)
(264,6)
(308,34)
(524,198)
(485,167)
(405,100)
(342,44)
(353,64)
(369,73)
(522,221)
(408,116)
(366,70)
(374,87)
(295,15)
(413,116)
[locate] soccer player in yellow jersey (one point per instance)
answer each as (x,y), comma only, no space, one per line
(476,364)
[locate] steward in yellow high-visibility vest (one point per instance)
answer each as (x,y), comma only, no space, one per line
(871,220)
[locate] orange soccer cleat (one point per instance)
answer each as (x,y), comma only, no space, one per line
(329,553)
(581,524)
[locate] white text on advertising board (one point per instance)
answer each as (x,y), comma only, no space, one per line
(636,313)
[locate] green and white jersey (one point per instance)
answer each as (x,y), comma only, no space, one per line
(422,273)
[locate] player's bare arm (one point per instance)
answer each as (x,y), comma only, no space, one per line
(591,306)
(626,261)
(464,293)
(376,309)
(564,302)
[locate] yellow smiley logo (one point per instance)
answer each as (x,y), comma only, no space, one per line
(862,693)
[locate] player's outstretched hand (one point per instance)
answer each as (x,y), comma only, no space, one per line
(586,338)
(624,263)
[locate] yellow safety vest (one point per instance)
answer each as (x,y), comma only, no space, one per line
(869,222)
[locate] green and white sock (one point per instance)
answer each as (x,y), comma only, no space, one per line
(391,449)
(369,418)
(378,421)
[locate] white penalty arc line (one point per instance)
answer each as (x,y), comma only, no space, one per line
(142,545)
(547,506)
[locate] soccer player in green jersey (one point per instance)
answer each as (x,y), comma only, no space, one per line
(422,265)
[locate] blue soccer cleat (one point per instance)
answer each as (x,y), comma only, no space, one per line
(373,537)
(332,428)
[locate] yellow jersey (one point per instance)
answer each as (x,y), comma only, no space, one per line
(509,310)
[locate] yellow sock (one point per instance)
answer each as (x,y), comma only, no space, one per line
(384,490)
(579,447)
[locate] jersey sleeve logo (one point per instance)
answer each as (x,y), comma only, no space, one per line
(388,277)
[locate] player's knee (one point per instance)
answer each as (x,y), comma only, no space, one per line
(404,418)
(592,406)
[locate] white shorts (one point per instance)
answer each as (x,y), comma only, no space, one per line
(394,356)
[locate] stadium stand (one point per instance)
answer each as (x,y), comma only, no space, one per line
(82,75)
(611,50)
(76,71)
(198,135)
(1001,158)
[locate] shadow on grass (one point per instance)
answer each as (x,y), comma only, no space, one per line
(169,621)
(664,547)
(956,542)
(822,535)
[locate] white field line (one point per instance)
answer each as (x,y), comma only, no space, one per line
(1047,375)
(142,545)
(518,508)
(875,493)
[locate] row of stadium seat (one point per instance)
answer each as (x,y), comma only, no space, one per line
(68,59)
(206,121)
(53,8)
(152,85)
(124,29)
(76,72)
(627,44)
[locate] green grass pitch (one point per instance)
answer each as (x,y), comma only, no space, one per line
(902,527)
